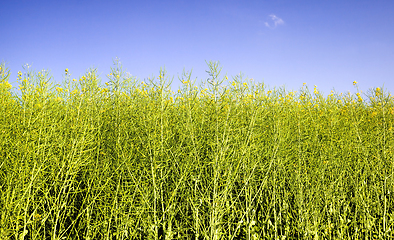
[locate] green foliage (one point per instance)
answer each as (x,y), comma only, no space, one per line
(228,159)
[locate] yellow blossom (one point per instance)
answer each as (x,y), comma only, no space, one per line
(377,91)
(37,217)
(8,85)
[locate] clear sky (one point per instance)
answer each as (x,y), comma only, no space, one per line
(279,42)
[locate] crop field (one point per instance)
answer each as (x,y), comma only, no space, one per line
(226,158)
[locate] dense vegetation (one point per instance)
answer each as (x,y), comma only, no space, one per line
(134,160)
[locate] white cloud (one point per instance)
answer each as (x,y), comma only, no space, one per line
(276,21)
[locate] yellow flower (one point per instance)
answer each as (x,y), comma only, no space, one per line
(37,217)
(66,71)
(354,83)
(377,91)
(226,78)
(8,85)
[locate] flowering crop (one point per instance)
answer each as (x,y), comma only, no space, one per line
(229,159)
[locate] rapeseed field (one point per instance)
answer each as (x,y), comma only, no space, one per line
(226,158)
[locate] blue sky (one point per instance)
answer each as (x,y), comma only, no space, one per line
(279,42)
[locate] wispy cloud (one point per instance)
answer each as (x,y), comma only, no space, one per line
(276,21)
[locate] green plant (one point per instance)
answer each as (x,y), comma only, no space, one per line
(229,159)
